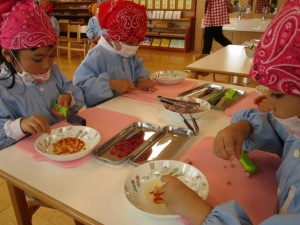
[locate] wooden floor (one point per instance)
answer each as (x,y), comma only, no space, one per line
(154,61)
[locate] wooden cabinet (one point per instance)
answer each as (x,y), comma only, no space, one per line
(171,24)
(237,38)
(74,11)
(170,34)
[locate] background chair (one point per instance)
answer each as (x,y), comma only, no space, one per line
(63,39)
(78,43)
(72,40)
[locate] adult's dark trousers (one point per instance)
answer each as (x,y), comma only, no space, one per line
(211,33)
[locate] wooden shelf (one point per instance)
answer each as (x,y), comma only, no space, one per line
(162,48)
(181,30)
(174,29)
(75,11)
(175,20)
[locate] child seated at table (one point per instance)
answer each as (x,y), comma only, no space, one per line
(30,81)
(276,65)
(112,67)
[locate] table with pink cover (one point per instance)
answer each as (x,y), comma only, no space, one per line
(100,119)
(228,181)
(169,91)
(92,192)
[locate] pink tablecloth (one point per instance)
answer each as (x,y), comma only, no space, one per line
(228,180)
(100,119)
(169,91)
(245,103)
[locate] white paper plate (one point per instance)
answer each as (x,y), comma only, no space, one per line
(144,178)
(89,136)
(169,76)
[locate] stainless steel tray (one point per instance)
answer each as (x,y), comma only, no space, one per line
(113,152)
(202,91)
(221,103)
(162,145)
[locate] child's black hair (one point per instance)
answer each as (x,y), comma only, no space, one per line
(9,66)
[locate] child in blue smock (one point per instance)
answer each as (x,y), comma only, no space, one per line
(112,67)
(93,30)
(48,8)
(276,65)
(30,81)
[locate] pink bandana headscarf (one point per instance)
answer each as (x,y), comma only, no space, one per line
(124,20)
(276,63)
(24,25)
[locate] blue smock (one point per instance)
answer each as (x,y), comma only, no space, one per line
(93,29)
(268,135)
(102,64)
(25,100)
(55,25)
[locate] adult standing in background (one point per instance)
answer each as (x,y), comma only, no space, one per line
(216,15)
(48,8)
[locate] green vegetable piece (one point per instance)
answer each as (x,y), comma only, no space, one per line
(230,94)
(62,110)
(247,163)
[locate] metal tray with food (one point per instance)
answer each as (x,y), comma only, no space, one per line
(225,98)
(162,145)
(122,145)
(202,91)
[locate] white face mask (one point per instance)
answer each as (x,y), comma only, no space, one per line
(32,78)
(38,78)
(128,50)
(292,125)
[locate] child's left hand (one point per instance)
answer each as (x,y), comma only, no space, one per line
(146,85)
(63,100)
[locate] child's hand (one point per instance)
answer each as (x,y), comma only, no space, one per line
(181,200)
(146,85)
(34,124)
(63,100)
(228,142)
(95,39)
(121,85)
(262,103)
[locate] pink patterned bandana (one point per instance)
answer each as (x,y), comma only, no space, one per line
(124,20)
(276,62)
(24,25)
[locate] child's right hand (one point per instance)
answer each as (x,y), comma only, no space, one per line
(122,85)
(35,124)
(228,142)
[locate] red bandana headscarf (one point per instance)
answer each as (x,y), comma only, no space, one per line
(124,20)
(24,25)
(47,6)
(276,62)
